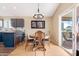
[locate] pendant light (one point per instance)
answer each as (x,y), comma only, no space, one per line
(38,15)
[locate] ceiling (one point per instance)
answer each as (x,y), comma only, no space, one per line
(69,14)
(27,9)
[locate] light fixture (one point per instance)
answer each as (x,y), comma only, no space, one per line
(14,7)
(38,15)
(4,7)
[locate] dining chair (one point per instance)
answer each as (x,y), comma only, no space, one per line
(39,44)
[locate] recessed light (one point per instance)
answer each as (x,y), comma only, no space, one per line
(3,7)
(14,7)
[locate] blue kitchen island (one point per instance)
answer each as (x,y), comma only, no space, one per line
(11,39)
(8,38)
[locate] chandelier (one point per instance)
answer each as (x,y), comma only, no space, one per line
(38,15)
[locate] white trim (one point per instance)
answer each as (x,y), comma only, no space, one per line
(59,30)
(75,30)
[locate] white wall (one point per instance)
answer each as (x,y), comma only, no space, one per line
(30,31)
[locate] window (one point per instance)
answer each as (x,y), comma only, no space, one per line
(1,23)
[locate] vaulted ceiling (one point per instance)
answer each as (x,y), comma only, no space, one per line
(27,9)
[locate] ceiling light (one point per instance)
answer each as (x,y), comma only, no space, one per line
(38,15)
(14,7)
(3,7)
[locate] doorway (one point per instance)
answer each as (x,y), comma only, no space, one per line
(66,30)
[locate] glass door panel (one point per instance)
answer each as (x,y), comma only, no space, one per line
(77,37)
(66,32)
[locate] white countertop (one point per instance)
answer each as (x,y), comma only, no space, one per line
(10,31)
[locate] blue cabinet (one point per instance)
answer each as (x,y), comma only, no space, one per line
(1,40)
(8,39)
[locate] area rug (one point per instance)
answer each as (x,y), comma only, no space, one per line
(5,51)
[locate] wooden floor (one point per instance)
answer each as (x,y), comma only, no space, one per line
(53,50)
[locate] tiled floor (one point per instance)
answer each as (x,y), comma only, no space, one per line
(53,50)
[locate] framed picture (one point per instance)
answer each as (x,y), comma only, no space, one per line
(33,24)
(37,24)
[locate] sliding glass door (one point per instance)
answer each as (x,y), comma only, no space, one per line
(66,32)
(67,37)
(69,31)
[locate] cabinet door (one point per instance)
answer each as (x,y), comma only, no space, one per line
(0,36)
(20,23)
(17,22)
(8,39)
(13,22)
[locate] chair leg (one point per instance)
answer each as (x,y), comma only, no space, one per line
(26,46)
(44,53)
(35,53)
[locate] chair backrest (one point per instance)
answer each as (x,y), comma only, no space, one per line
(39,35)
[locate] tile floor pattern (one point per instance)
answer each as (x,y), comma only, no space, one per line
(53,50)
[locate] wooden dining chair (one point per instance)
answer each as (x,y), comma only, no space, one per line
(39,44)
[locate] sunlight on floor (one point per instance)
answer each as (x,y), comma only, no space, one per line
(51,50)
